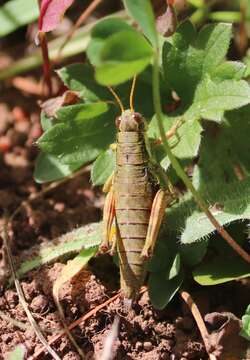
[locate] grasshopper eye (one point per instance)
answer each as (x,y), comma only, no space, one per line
(138,117)
(118,122)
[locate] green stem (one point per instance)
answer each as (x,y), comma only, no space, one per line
(196,3)
(226,16)
(180,172)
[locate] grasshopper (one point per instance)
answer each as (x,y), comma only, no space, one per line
(133,205)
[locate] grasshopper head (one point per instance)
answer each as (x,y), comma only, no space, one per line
(130,121)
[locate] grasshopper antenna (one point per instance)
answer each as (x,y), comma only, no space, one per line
(131,97)
(117,98)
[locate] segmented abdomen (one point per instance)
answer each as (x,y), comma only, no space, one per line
(133,202)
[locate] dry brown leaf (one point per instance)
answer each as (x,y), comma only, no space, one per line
(224,340)
(51,106)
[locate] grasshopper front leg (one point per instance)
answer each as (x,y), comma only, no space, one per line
(108,217)
(160,202)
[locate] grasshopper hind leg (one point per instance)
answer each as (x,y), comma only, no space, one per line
(109,228)
(161,200)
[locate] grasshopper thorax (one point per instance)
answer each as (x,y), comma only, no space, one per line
(130,121)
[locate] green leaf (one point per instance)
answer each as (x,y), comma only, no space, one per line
(80,78)
(194,67)
(73,267)
(102,30)
(222,153)
(223,264)
(50,168)
(17,354)
(219,271)
(81,112)
(214,40)
(85,237)
(142,12)
(186,141)
(222,177)
(175,268)
(103,167)
(212,99)
(79,140)
(17,13)
(229,70)
(233,203)
(245,332)
(161,290)
(192,254)
(123,55)
(46,122)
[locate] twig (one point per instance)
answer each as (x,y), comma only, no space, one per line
(87,12)
(198,319)
(107,353)
(65,326)
(22,297)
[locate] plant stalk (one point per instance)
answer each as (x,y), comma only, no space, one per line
(180,172)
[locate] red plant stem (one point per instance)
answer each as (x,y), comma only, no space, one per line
(46,61)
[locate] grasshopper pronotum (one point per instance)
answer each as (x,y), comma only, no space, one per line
(133,204)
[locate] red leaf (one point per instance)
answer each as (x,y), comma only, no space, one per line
(51,13)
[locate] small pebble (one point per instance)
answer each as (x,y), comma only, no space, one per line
(147,345)
(138,345)
(12,298)
(39,304)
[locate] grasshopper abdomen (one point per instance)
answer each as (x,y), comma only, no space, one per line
(133,193)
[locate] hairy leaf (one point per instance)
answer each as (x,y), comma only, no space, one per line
(16,13)
(233,203)
(211,98)
(103,167)
(78,139)
(51,13)
(194,67)
(142,12)
(84,237)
